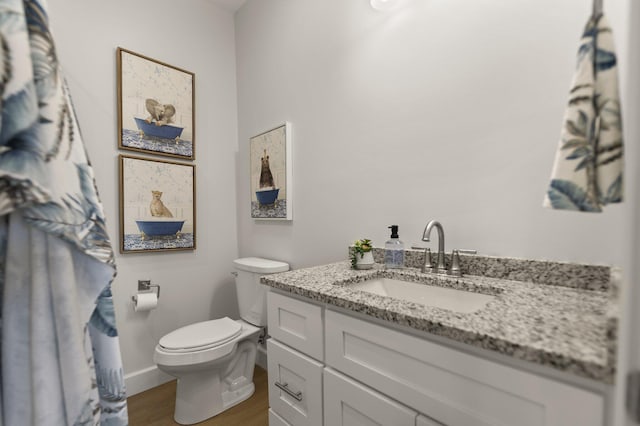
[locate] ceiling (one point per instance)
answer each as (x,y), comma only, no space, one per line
(231,5)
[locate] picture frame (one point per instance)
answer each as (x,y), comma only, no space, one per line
(157,205)
(156,106)
(271,174)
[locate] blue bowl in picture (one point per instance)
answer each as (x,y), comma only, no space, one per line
(268,196)
(160,227)
(166,131)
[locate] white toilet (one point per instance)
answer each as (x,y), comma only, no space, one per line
(214,360)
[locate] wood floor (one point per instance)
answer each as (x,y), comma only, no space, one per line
(155,406)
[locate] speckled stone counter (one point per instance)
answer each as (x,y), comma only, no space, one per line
(571,328)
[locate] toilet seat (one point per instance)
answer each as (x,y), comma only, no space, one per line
(207,352)
(201,336)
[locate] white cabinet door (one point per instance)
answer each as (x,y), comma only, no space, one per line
(296,323)
(295,385)
(450,386)
(349,403)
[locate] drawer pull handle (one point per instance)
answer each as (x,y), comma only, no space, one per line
(285,387)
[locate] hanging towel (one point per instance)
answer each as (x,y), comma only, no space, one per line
(588,168)
(61,362)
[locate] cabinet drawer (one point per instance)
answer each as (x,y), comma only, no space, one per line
(296,323)
(349,403)
(295,385)
(450,386)
(424,421)
(276,420)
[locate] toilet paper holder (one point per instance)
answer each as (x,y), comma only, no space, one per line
(146,286)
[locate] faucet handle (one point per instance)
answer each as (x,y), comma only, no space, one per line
(427,266)
(454,269)
(467,251)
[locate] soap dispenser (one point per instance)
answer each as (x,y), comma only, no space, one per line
(394,250)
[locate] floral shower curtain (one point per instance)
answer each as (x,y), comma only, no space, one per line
(60,358)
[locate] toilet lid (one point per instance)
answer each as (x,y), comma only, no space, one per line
(207,333)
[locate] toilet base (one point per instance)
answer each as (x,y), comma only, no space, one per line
(190,411)
(205,393)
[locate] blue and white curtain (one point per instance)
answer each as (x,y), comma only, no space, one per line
(60,356)
(588,169)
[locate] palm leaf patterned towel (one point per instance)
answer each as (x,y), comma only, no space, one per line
(588,168)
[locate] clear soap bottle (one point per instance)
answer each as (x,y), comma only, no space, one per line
(394,250)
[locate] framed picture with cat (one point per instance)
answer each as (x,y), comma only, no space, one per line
(156,108)
(270,174)
(157,205)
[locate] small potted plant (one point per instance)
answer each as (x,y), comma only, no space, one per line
(362,256)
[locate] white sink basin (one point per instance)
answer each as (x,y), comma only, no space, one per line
(454,300)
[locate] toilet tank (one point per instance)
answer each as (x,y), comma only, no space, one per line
(252,296)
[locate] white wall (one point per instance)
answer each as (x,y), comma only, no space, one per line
(443,109)
(196,285)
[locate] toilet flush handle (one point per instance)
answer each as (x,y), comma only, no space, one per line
(234,273)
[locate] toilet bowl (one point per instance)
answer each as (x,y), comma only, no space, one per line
(214,360)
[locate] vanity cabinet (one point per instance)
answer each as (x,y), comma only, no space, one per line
(296,323)
(365,373)
(276,420)
(450,386)
(295,385)
(348,403)
(425,421)
(294,361)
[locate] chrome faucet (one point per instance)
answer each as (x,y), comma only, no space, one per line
(440,266)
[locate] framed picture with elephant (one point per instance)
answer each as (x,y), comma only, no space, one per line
(157,205)
(270,174)
(155,106)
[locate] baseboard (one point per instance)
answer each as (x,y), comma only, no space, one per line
(145,379)
(261,357)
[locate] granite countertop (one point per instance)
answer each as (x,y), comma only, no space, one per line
(568,328)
